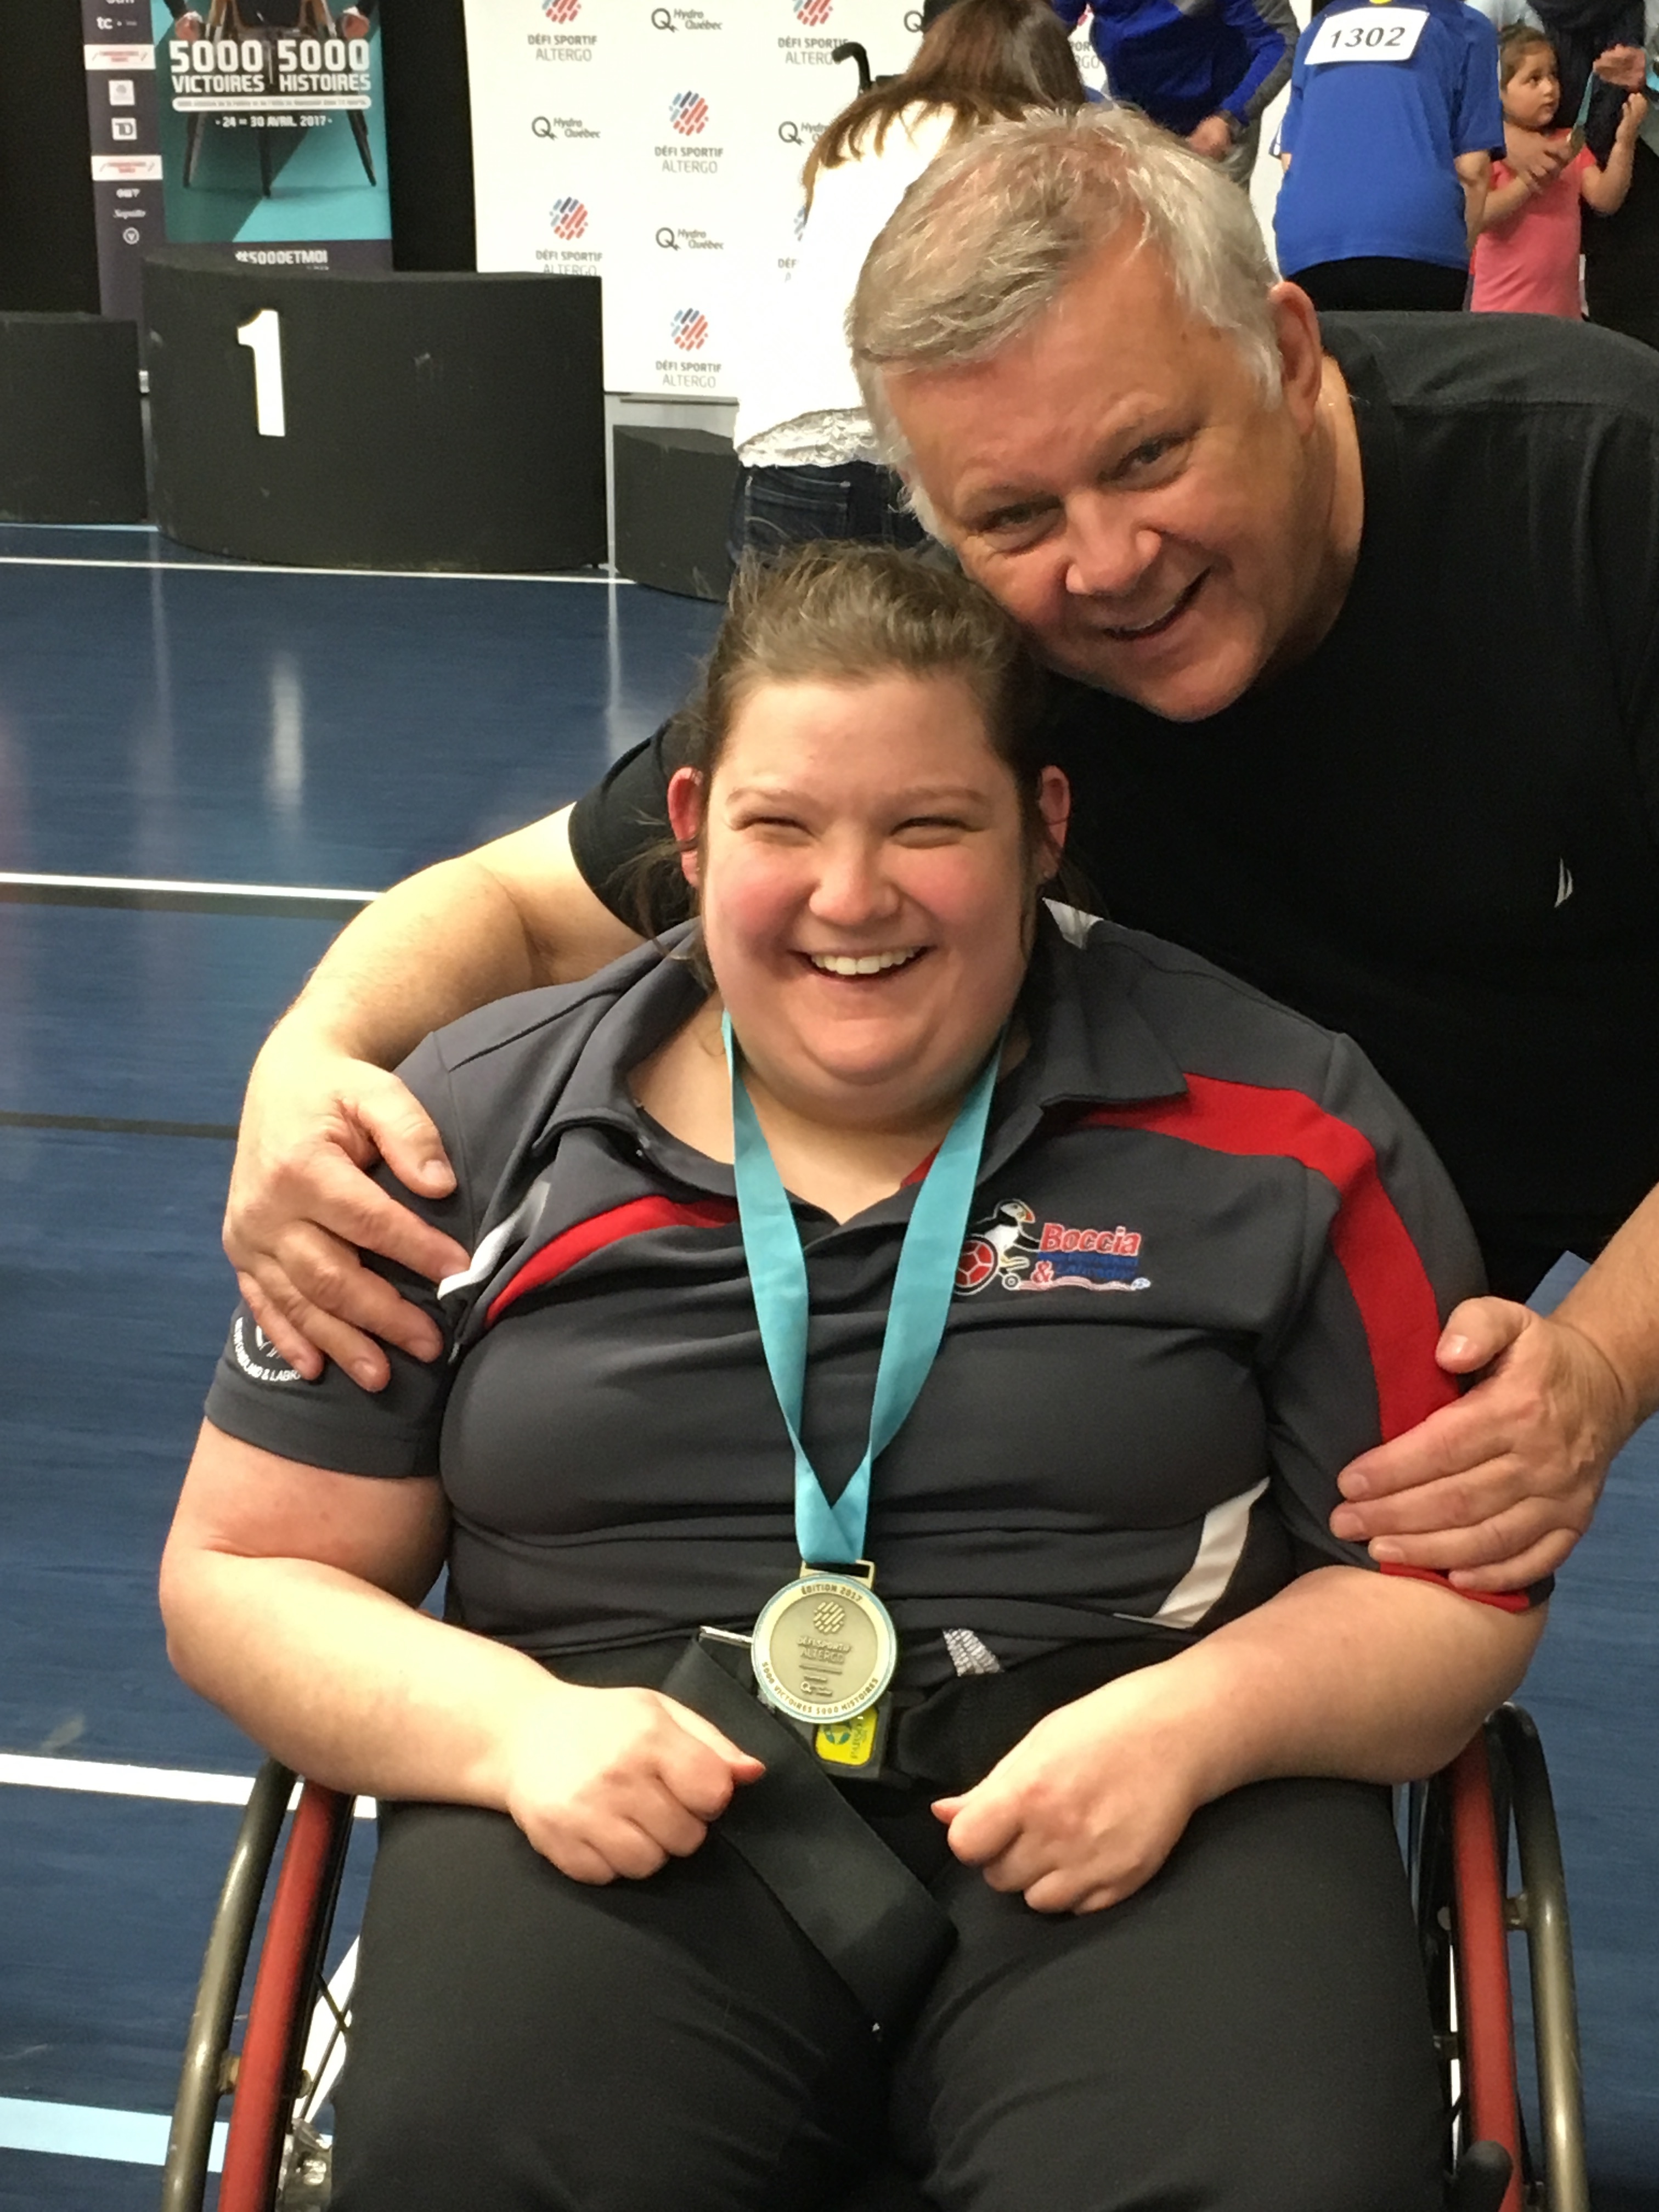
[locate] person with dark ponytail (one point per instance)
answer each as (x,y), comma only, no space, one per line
(810,467)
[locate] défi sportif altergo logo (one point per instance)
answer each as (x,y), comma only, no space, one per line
(688,114)
(687,117)
(569,219)
(1013,1249)
(561,42)
(686,366)
(809,16)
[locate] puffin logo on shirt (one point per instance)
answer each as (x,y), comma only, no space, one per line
(257,1356)
(1019,1252)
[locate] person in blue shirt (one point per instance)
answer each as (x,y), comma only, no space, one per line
(1204,69)
(1388,141)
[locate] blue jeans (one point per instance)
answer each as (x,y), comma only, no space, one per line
(774,508)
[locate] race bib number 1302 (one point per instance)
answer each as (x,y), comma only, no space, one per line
(1368,35)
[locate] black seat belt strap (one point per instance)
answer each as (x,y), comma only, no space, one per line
(865,1912)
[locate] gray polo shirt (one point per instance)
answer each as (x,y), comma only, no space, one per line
(1208,1262)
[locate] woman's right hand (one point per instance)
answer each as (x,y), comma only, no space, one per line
(301,1205)
(609,1783)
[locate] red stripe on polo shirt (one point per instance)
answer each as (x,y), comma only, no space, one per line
(1390,1284)
(1505,1600)
(577,1242)
(1397,1306)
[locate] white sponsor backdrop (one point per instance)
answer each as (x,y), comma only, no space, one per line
(660,147)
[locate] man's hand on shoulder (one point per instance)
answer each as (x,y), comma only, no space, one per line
(301,1205)
(1497,1489)
(321,1110)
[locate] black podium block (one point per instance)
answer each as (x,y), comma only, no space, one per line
(71,434)
(673,493)
(410,420)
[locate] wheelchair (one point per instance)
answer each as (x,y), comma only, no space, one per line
(1462,1829)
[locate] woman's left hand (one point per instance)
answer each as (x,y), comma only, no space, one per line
(1089,1805)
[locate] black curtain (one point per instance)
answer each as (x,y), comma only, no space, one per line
(428,133)
(48,248)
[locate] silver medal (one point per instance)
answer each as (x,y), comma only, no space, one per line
(824,1649)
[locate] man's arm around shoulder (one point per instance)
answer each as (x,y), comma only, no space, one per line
(321,1107)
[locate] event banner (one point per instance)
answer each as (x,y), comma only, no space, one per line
(256,127)
(660,147)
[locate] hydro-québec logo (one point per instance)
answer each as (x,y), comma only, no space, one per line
(689,113)
(569,218)
(562,11)
(689,330)
(813,12)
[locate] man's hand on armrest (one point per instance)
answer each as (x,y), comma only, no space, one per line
(320,1109)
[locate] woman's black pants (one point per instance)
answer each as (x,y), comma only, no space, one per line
(1248,2034)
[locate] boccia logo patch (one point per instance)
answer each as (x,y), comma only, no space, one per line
(1023,1253)
(569,218)
(688,112)
(562,11)
(813,12)
(689,330)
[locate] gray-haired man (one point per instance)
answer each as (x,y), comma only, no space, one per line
(1361,626)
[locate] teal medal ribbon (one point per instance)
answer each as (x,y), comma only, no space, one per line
(916,1316)
(824,1649)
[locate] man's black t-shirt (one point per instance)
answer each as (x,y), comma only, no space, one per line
(1440,832)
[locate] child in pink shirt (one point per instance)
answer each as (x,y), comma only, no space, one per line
(1526,258)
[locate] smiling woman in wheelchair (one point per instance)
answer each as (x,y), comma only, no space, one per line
(1019,1818)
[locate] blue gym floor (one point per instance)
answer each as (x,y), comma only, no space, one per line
(164,716)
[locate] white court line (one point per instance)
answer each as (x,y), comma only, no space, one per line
(108,1779)
(283,568)
(95,2131)
(162,884)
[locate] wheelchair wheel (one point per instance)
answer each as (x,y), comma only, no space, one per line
(1491,1804)
(275,2161)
